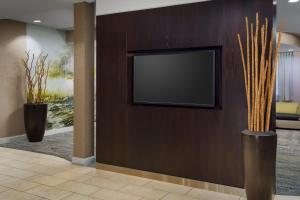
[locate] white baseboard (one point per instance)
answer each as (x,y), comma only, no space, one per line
(48,132)
(84,161)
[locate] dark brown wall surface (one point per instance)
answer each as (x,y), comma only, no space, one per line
(201,144)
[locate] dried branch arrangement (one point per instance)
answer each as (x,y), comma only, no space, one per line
(36,76)
(259,66)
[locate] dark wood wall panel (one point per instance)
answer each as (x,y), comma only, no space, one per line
(201,144)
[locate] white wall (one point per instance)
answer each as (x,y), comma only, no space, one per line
(45,39)
(104,7)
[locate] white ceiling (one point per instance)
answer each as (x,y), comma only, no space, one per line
(53,13)
(59,13)
(288,17)
(104,7)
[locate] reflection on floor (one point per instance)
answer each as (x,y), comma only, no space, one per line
(288,162)
(32,176)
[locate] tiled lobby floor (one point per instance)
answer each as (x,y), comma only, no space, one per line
(32,176)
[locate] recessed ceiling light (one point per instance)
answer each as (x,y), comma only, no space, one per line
(37,21)
(293,1)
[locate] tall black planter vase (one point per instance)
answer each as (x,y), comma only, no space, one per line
(259,151)
(35,118)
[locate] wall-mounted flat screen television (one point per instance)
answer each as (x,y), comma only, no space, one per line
(175,78)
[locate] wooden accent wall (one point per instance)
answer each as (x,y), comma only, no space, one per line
(200,144)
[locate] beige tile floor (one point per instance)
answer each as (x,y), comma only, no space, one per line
(32,176)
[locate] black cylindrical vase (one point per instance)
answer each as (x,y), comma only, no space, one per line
(259,151)
(35,119)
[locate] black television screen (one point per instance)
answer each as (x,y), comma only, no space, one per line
(182,78)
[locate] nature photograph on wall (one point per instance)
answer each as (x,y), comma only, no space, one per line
(56,88)
(59,93)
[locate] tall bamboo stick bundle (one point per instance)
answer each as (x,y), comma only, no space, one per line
(259,69)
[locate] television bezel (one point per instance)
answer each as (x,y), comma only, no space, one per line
(216,55)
